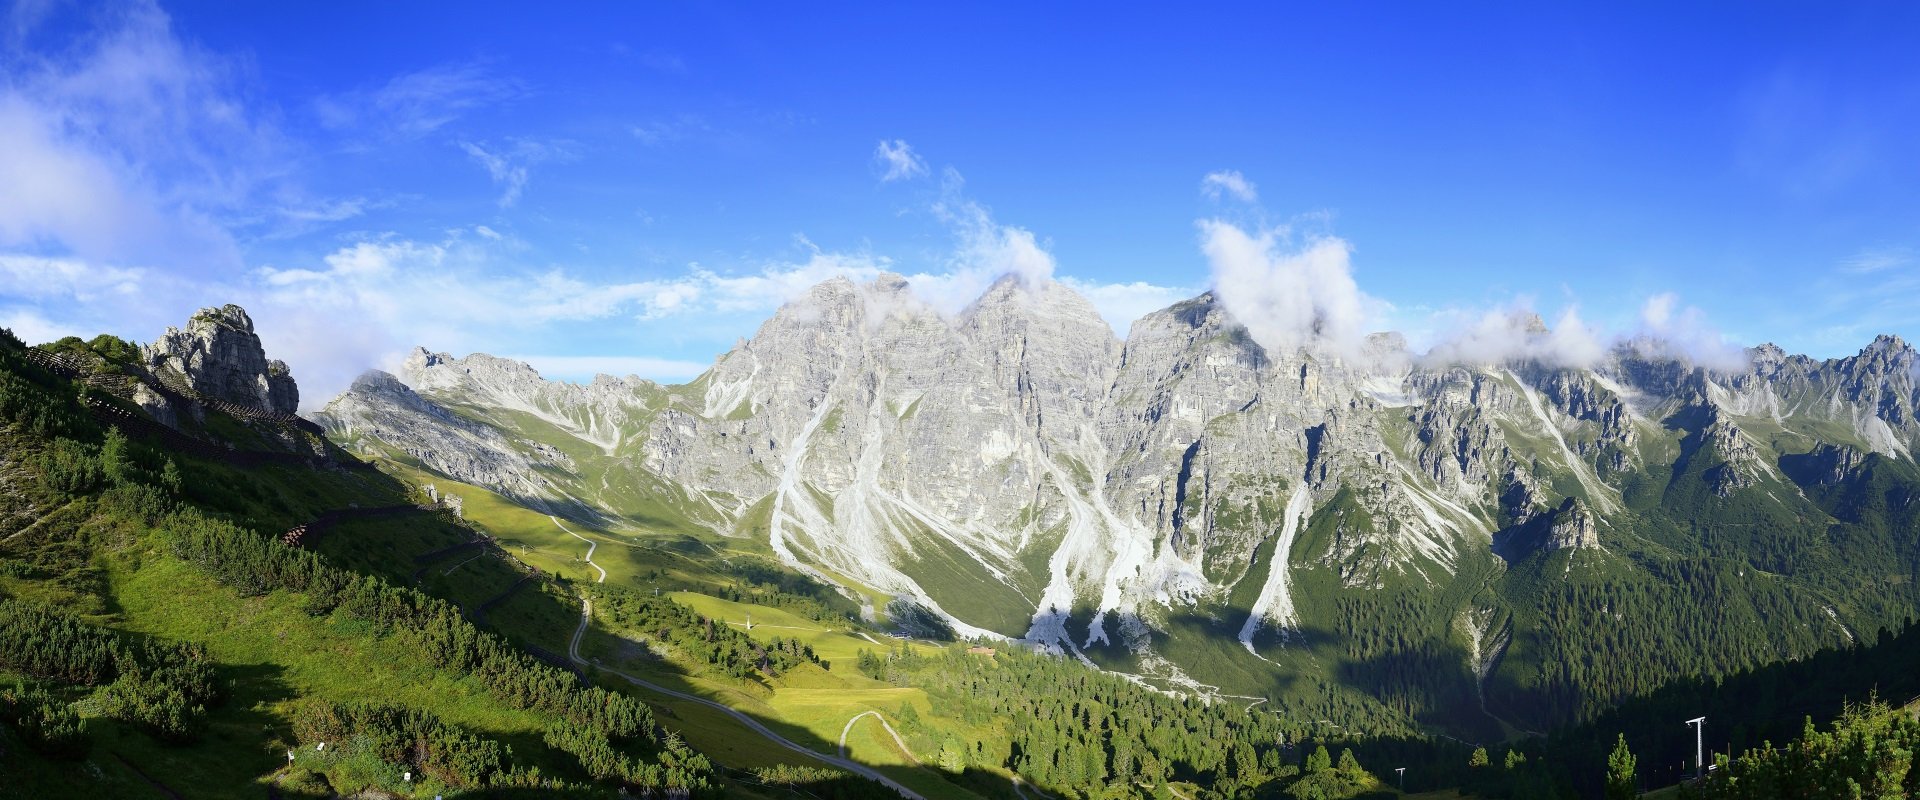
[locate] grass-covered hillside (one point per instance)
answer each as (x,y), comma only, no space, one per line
(159,639)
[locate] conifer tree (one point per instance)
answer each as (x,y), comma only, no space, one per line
(1621,782)
(1320,760)
(1350,765)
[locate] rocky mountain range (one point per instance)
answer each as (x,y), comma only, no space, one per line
(1020,472)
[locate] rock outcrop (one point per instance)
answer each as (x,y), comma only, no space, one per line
(218,354)
(1573,528)
(1835,464)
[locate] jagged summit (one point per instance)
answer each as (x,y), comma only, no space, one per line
(219,355)
(1889,343)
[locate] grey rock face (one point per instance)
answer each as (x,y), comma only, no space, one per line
(156,406)
(1835,464)
(218,354)
(1573,528)
(1741,464)
(380,410)
(1018,451)
(603,413)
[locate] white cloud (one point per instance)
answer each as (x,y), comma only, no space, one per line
(1879,259)
(654,133)
(1517,334)
(414,104)
(367,303)
(511,166)
(986,249)
(1229,182)
(34,328)
(1289,295)
(1122,304)
(38,278)
(898,161)
(61,190)
(120,143)
(1658,310)
(1669,329)
(326,211)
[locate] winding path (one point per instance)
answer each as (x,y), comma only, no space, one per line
(591,546)
(573,652)
(883,723)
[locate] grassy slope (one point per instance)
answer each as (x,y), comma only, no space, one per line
(808,705)
(273,656)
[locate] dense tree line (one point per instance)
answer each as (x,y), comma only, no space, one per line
(1867,753)
(1698,617)
(1397,645)
(114,350)
(768,584)
(764,595)
(821,783)
(1743,710)
(163,688)
(434,751)
(708,641)
(1082,732)
(762,582)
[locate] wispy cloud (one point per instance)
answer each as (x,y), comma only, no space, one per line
(326,210)
(34,328)
(1874,291)
(1516,334)
(985,247)
(414,104)
(485,298)
(1669,327)
(124,144)
(1229,183)
(897,161)
(658,132)
(1295,290)
(361,306)
(1877,259)
(511,165)
(39,278)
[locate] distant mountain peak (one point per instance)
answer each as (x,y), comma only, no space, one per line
(1889,343)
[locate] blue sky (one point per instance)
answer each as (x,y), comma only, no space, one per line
(631,187)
